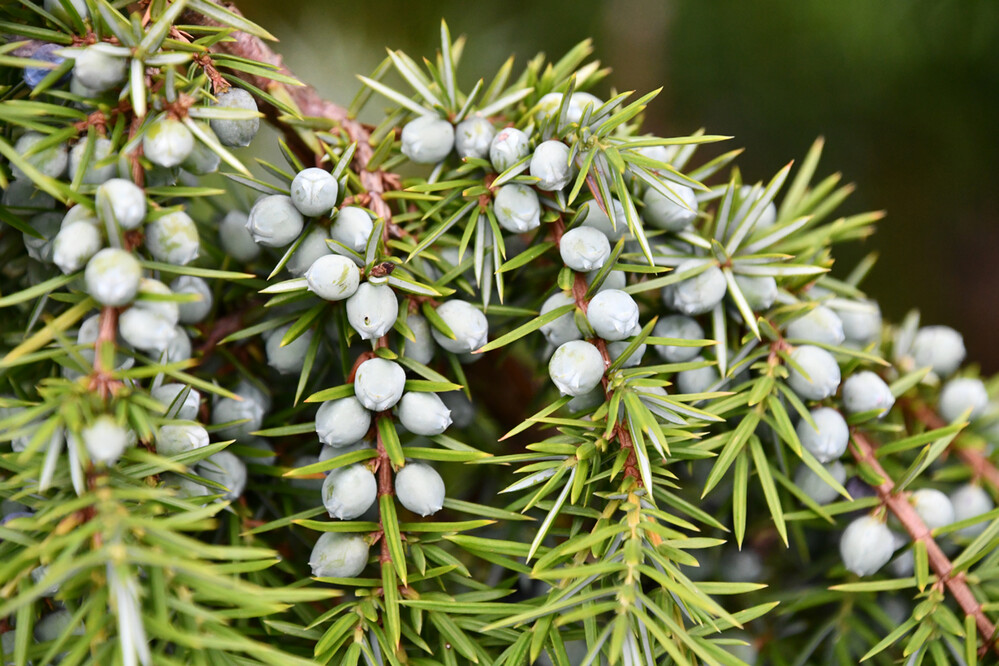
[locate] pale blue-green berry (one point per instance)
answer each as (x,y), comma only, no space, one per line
(352,226)
(473,136)
(314,191)
(51,161)
(74,245)
(576,367)
(313,482)
(54,625)
(827,440)
(342,422)
(328,452)
(288,358)
(80,213)
(46,224)
(864,391)
(861,321)
(613,280)
(104,440)
(193,311)
(112,277)
(349,491)
(821,373)
(769,215)
(176,438)
(99,168)
(21,196)
(420,488)
(468,323)
(593,216)
(379,384)
(179,347)
(866,545)
(587,400)
(615,349)
(819,325)
(274,221)
(263,454)
(202,160)
(8,640)
(508,147)
(613,314)
(564,328)
(235,132)
(938,347)
(167,142)
(187,488)
(339,555)
(98,68)
(578,104)
(584,249)
(547,106)
(550,165)
(89,330)
(48,53)
(678,327)
(462,409)
(517,208)
(121,201)
(235,237)
(424,413)
(250,410)
(759,291)
(226,469)
(333,278)
(933,507)
(155,296)
(697,294)
(372,310)
(698,380)
(422,348)
(180,401)
(56,8)
(427,139)
(674,213)
(312,246)
(173,238)
(814,487)
(970,501)
(961,395)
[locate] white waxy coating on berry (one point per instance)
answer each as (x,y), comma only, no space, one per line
(828,439)
(550,164)
(167,142)
(939,347)
(352,226)
(584,249)
(678,327)
(767,218)
(312,246)
(349,491)
(517,208)
(54,625)
(420,488)
(613,314)
(48,225)
(378,384)
(173,238)
(613,280)
(697,294)
(594,216)
(933,507)
(339,555)
(698,380)
(202,160)
(422,348)
(104,440)
(274,221)
(80,213)
(508,147)
(814,487)
(21,196)
(576,367)
(671,213)
(821,378)
(288,358)
(194,311)
(820,325)
(235,132)
(615,349)
(960,395)
(462,409)
(174,439)
(179,348)
(236,238)
(866,545)
(148,330)
(372,310)
(122,202)
(74,245)
(579,103)
(861,321)
(251,409)
(51,161)
(427,139)
(169,395)
(333,278)
(564,328)
(865,391)
(424,413)
(760,291)
(112,277)
(970,501)
(342,422)
(98,168)
(97,69)
(473,137)
(468,323)
(226,469)
(330,452)
(314,192)
(89,330)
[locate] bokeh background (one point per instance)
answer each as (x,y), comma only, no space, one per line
(906,93)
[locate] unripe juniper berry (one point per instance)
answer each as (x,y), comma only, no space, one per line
(349,491)
(584,249)
(678,327)
(697,294)
(509,146)
(865,391)
(473,137)
(274,221)
(866,545)
(613,314)
(333,278)
(372,310)
(420,488)
(342,422)
(671,213)
(517,208)
(424,413)
(550,164)
(112,277)
(821,378)
(576,367)
(379,384)
(468,323)
(427,139)
(961,395)
(338,555)
(239,132)
(819,325)
(314,192)
(352,226)
(121,202)
(827,440)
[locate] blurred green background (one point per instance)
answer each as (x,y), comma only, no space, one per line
(905,92)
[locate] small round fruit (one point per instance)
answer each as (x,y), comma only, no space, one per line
(866,545)
(226,469)
(288,358)
(51,161)
(146,329)
(112,277)
(194,311)
(173,238)
(105,440)
(819,325)
(352,226)
(550,165)
(613,314)
(174,439)
(593,216)
(473,137)
(314,192)
(250,410)
(960,395)
(576,367)
(865,391)
(812,484)
(312,246)
(99,168)
(379,384)
(939,347)
(122,202)
(970,501)
(678,327)
(615,349)
(424,413)
(98,69)
(74,245)
(420,488)
(54,625)
(933,507)
(861,322)
(427,139)
(333,278)
(562,329)
(698,380)
(508,147)
(767,218)
(180,401)
(697,294)
(517,208)
(167,142)
(342,422)
(47,225)
(422,348)
(235,237)
(274,221)
(584,249)
(468,323)
(203,160)
(263,453)
(670,213)
(462,409)
(821,373)
(372,310)
(339,555)
(349,491)
(235,132)
(826,441)
(760,291)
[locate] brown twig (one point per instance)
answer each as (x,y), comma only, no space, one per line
(898,503)
(102,380)
(981,466)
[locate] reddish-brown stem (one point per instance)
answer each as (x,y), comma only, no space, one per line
(102,380)
(981,466)
(384,471)
(898,503)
